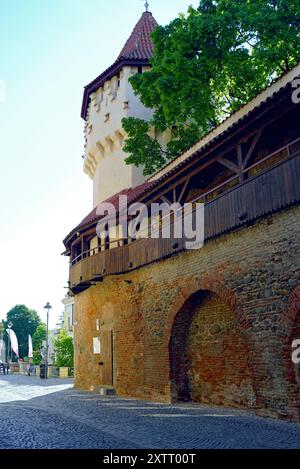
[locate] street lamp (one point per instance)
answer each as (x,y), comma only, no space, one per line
(9,325)
(47,307)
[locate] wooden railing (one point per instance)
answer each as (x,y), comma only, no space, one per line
(287,150)
(274,190)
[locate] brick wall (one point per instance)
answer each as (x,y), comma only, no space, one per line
(241,290)
(209,356)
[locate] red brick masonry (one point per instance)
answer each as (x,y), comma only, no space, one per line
(214,325)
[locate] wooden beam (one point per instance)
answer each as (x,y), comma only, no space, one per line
(252,148)
(240,161)
(240,156)
(263,122)
(164,199)
(156,195)
(193,167)
(228,164)
(183,190)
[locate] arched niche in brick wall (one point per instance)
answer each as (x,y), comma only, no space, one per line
(209,359)
(290,325)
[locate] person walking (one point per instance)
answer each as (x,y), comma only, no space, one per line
(30,369)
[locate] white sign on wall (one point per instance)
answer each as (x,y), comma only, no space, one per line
(97,345)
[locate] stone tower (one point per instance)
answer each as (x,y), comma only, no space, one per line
(106,101)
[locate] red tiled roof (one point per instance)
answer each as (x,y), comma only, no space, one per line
(92,217)
(138,50)
(139,46)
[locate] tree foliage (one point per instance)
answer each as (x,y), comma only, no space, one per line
(39,336)
(25,322)
(206,65)
(64,349)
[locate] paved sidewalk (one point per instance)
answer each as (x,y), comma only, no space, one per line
(20,387)
(51,414)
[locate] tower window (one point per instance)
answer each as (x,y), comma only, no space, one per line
(140,69)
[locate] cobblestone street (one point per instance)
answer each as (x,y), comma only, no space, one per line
(37,414)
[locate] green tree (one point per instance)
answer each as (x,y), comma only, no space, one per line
(64,349)
(37,342)
(61,321)
(206,65)
(25,322)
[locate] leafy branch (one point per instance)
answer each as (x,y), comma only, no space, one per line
(206,65)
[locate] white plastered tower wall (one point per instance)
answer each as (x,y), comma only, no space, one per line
(104,158)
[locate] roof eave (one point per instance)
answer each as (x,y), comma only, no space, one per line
(234,119)
(107,75)
(70,238)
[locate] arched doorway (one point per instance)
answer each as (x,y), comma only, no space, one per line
(293,368)
(209,360)
(295,335)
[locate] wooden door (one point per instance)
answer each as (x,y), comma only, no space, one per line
(107,357)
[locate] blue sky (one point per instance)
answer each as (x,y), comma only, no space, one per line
(50,49)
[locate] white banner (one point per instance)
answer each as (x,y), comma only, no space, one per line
(30,349)
(13,341)
(2,349)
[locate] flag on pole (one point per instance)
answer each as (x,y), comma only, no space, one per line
(30,349)
(13,341)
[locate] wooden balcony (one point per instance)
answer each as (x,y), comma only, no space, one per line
(271,191)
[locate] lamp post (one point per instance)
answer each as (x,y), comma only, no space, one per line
(47,307)
(9,325)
